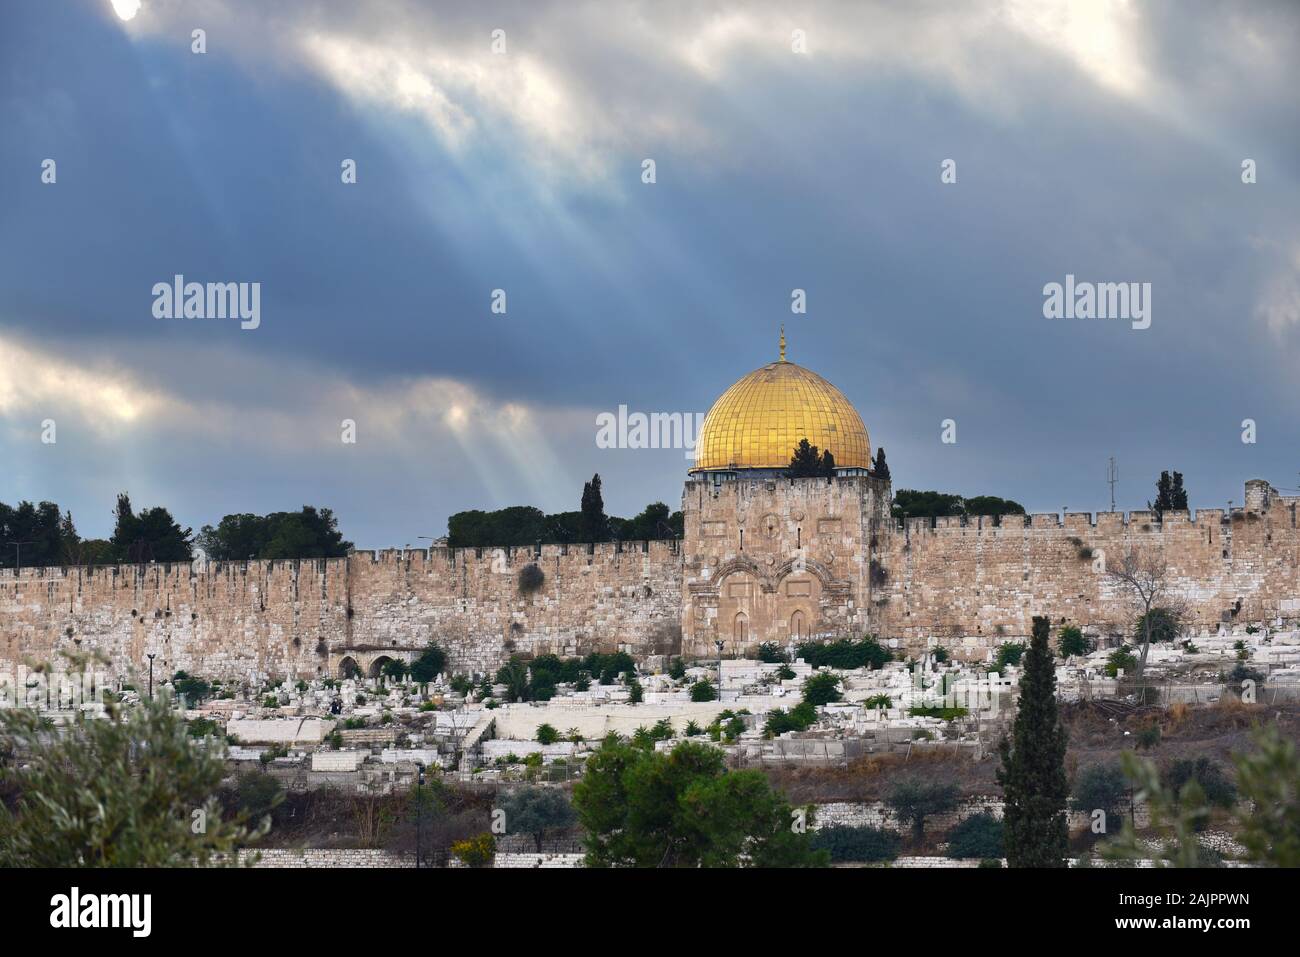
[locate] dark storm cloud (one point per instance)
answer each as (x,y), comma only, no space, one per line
(1105,143)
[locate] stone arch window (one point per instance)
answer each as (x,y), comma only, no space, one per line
(798,625)
(740,627)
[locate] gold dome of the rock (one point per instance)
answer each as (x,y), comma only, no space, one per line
(757,423)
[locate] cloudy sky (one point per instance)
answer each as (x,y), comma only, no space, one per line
(1103,140)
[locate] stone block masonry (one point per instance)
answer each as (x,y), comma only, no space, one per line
(770,559)
(248,621)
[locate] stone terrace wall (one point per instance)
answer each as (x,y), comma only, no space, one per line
(298,618)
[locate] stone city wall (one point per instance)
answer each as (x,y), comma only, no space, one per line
(252,620)
(775,560)
(980,580)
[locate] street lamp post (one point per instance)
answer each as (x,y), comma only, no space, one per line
(719,643)
(419,811)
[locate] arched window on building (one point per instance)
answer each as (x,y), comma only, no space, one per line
(741,630)
(798,627)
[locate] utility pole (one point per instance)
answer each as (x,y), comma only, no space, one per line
(150,657)
(1112,476)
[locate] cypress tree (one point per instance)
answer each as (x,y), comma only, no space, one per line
(1178,494)
(1033,765)
(594,524)
(881,468)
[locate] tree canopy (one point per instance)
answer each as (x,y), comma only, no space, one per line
(122,791)
(309,533)
(1170,495)
(682,808)
(149,536)
(910,503)
(810,462)
(521,525)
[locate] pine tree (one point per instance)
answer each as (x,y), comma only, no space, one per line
(881,468)
(1032,776)
(828,464)
(594,526)
(806,461)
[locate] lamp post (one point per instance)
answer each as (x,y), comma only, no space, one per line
(150,657)
(419,811)
(719,643)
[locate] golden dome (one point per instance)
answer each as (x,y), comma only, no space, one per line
(757,423)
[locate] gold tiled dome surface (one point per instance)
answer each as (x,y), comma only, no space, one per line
(757,423)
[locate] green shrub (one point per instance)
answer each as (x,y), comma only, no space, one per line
(979,835)
(1008,654)
(258,795)
(546,734)
(193,690)
(608,667)
(928,711)
(1101,787)
(431,662)
(460,684)
(1120,658)
(913,801)
(779,722)
(856,844)
(845,654)
(1148,736)
(1071,642)
(879,701)
(1164,626)
(202,728)
(702,690)
(822,688)
(677,669)
(771,653)
(1218,788)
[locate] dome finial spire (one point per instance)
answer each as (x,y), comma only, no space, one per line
(783,342)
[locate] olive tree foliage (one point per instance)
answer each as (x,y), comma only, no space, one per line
(131,789)
(1267,819)
(537,812)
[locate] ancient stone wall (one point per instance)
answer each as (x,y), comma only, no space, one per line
(252,620)
(762,560)
(777,559)
(980,580)
(774,559)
